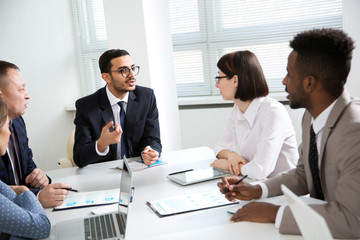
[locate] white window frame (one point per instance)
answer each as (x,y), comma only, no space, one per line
(214,42)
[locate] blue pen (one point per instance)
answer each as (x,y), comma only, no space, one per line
(132,194)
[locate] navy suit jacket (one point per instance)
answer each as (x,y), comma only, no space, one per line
(93,112)
(26,157)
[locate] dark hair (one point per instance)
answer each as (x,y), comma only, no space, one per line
(4,67)
(326,54)
(246,66)
(3,113)
(106,57)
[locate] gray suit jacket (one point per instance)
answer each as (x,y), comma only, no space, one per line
(339,171)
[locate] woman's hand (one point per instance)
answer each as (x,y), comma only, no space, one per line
(235,162)
(19,189)
(221,164)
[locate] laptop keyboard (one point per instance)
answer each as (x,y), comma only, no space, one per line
(102,227)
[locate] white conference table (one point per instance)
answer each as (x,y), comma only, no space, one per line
(152,184)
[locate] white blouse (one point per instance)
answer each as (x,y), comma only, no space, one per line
(264,136)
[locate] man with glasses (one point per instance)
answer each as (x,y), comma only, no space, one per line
(120,119)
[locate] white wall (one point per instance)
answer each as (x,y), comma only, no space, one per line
(351,20)
(203,127)
(38,36)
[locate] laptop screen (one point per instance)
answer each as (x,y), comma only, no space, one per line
(125,196)
(125,185)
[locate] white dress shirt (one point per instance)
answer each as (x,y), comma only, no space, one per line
(116,113)
(264,136)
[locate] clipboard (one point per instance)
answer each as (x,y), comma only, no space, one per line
(189,203)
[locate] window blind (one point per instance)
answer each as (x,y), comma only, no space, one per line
(90,27)
(202,31)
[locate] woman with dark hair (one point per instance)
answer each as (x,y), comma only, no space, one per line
(21,214)
(259,140)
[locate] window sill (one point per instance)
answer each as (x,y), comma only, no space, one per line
(218,102)
(70,107)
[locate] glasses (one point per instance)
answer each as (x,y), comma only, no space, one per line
(125,71)
(218,78)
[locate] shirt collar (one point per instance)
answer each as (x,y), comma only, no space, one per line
(114,100)
(320,121)
(251,111)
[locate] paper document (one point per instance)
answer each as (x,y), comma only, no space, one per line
(140,165)
(85,199)
(278,200)
(188,203)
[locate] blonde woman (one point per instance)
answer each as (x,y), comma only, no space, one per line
(21,214)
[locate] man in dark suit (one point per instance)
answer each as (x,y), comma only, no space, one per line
(329,163)
(17,166)
(118,120)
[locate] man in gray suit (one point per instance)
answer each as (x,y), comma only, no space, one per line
(329,164)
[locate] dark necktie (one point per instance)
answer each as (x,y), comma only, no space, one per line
(314,165)
(14,152)
(124,149)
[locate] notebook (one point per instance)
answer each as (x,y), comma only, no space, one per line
(104,226)
(311,224)
(192,176)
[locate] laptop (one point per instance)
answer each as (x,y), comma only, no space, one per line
(311,224)
(104,226)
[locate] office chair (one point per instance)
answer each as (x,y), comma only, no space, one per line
(68,161)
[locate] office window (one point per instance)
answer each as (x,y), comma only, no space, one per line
(90,28)
(204,30)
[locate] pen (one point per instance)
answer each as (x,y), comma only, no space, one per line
(181,171)
(71,189)
(132,194)
(237,182)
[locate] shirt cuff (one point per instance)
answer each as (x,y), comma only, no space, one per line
(265,190)
(101,153)
(279,216)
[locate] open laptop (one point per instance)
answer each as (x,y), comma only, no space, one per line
(103,226)
(311,224)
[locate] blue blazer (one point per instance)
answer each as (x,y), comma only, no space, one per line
(26,157)
(93,112)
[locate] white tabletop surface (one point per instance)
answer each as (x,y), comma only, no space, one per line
(152,184)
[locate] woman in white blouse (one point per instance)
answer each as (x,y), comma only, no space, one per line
(259,140)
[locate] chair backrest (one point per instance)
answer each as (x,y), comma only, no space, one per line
(68,161)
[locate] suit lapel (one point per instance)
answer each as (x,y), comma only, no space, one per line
(338,108)
(107,114)
(131,109)
(106,110)
(131,116)
(21,137)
